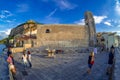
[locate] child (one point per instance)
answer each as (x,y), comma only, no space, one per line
(90,61)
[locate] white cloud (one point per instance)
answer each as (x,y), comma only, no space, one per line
(7,20)
(52,13)
(7,31)
(118,26)
(99,19)
(64,4)
(2,16)
(80,22)
(118,32)
(5,14)
(51,20)
(117,7)
(4,33)
(22,8)
(108,23)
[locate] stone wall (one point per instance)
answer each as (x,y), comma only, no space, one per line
(18,49)
(62,36)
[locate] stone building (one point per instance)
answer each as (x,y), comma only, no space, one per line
(68,35)
(57,35)
(15,34)
(107,39)
(62,35)
(29,33)
(17,30)
(24,34)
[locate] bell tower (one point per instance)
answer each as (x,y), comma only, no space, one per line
(90,23)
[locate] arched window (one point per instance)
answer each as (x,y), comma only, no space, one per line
(47,30)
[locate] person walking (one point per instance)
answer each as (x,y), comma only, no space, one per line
(95,50)
(9,51)
(24,58)
(29,58)
(90,62)
(112,47)
(12,67)
(110,61)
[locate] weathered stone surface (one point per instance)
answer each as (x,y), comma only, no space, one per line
(68,66)
(4,71)
(62,35)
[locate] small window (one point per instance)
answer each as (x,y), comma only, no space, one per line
(47,30)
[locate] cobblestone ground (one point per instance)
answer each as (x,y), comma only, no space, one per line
(4,75)
(68,66)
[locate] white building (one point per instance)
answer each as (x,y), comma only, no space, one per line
(111,39)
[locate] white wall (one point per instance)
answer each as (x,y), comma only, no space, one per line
(111,41)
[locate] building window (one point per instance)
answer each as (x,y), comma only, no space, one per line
(47,30)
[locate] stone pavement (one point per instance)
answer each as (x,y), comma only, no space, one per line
(116,75)
(68,66)
(4,74)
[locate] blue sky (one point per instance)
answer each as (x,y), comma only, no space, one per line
(14,12)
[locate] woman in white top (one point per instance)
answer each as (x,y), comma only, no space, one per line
(25,61)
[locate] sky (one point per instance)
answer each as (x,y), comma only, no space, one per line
(14,12)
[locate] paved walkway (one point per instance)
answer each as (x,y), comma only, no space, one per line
(4,74)
(68,66)
(116,75)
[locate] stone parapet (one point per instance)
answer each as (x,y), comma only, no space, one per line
(17,49)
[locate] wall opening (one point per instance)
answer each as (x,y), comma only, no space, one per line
(47,30)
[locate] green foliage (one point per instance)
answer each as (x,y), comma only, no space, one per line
(10,37)
(3,41)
